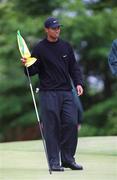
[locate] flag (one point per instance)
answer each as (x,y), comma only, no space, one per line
(24,51)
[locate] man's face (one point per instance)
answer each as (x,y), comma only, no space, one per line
(53,33)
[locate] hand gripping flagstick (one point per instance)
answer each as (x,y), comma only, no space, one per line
(25,53)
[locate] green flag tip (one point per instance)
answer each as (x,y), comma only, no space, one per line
(18,32)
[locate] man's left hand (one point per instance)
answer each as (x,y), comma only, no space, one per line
(79,90)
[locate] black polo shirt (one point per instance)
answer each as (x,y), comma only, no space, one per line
(55,64)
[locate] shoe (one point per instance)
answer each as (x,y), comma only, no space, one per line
(73,166)
(56,168)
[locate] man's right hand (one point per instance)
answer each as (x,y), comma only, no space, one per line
(28,61)
(24,60)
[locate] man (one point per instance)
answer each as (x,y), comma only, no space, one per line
(112,58)
(55,65)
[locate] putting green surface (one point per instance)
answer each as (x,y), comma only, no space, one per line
(26,161)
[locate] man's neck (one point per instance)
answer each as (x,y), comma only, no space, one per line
(52,39)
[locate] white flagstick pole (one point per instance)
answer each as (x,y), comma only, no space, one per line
(25,52)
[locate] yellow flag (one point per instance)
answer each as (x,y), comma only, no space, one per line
(25,53)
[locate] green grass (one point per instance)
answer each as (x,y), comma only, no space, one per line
(26,161)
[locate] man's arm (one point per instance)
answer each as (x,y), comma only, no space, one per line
(34,67)
(75,73)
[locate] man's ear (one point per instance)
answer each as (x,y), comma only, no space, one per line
(46,30)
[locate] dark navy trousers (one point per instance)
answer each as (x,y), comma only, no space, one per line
(58,114)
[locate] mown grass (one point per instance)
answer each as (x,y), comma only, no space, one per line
(26,161)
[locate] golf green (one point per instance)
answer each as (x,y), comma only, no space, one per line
(26,160)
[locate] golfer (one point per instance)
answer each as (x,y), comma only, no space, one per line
(55,65)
